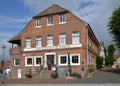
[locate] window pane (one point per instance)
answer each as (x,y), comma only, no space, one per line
(28,43)
(50,40)
(62,18)
(38,41)
(75,59)
(38,60)
(63,60)
(29,61)
(38,22)
(16,62)
(50,20)
(75,37)
(62,39)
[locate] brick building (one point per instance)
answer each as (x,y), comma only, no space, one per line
(48,39)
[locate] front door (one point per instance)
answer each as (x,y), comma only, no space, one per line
(50,61)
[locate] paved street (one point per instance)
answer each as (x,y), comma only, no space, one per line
(99,77)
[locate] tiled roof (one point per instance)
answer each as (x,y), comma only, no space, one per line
(54,9)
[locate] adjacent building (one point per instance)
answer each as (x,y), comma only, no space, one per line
(49,39)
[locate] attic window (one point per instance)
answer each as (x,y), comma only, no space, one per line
(38,23)
(49,21)
(62,19)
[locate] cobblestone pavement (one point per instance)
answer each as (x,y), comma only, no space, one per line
(99,77)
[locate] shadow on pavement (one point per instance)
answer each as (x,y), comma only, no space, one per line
(116,70)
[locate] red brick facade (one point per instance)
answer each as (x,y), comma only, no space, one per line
(87,54)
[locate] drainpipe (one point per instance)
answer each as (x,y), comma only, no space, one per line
(87,47)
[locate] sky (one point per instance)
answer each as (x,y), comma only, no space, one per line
(15,14)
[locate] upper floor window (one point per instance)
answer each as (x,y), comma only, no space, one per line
(28,43)
(62,39)
(75,37)
(38,23)
(50,21)
(16,62)
(38,41)
(62,18)
(50,41)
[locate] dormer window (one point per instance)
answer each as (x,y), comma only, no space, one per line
(38,23)
(49,21)
(62,18)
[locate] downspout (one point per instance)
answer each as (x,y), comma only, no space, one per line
(87,47)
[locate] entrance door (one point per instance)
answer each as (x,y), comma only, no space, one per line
(19,73)
(50,61)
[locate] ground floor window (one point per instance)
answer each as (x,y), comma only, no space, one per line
(75,59)
(16,62)
(29,61)
(37,61)
(62,60)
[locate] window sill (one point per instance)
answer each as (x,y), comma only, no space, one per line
(62,22)
(50,24)
(38,26)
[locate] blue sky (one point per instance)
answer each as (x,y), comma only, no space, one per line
(15,14)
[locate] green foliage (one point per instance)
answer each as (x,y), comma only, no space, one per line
(109,60)
(29,74)
(53,75)
(75,74)
(114,26)
(91,68)
(99,62)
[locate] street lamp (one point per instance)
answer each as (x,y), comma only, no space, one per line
(3,48)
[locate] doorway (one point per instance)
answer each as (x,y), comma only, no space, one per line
(50,61)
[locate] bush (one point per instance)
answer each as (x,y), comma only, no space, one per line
(91,70)
(53,75)
(29,74)
(76,75)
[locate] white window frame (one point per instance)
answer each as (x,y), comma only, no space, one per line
(40,23)
(78,59)
(63,17)
(62,37)
(15,62)
(35,60)
(49,23)
(59,60)
(77,36)
(38,39)
(28,42)
(50,40)
(28,65)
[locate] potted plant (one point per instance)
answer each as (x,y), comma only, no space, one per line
(77,75)
(53,75)
(29,74)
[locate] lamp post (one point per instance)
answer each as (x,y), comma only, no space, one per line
(3,48)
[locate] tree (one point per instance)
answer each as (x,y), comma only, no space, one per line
(99,62)
(109,60)
(114,26)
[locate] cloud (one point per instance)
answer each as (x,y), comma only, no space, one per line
(95,12)
(6,21)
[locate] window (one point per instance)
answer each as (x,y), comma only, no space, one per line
(50,41)
(16,62)
(63,60)
(75,59)
(38,23)
(62,18)
(38,42)
(62,39)
(38,61)
(50,21)
(29,61)
(28,43)
(75,37)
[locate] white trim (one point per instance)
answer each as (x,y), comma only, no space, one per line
(35,60)
(78,59)
(26,61)
(54,47)
(59,60)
